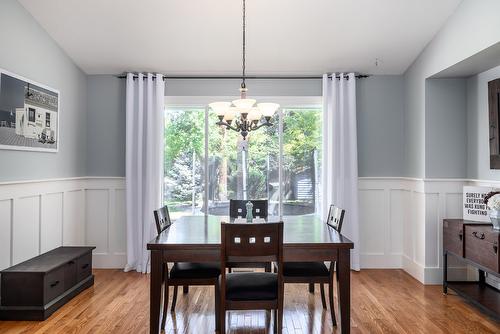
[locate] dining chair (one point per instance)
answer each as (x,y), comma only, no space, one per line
(317,272)
(237,208)
(183,273)
(258,242)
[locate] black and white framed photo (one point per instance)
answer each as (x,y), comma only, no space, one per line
(29,114)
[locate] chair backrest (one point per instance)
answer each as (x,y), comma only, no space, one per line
(162,219)
(335,217)
(238,208)
(251,242)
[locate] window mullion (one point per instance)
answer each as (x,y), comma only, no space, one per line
(205,200)
(280,162)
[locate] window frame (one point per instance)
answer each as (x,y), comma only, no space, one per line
(285,102)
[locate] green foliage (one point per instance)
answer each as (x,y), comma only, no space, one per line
(302,136)
(179,180)
(184,133)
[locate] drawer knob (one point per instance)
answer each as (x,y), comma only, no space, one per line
(85,266)
(461,235)
(54,284)
(481,236)
(71,262)
(495,247)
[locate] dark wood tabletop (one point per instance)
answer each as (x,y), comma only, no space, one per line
(204,231)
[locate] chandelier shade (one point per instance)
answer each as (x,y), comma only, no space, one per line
(220,108)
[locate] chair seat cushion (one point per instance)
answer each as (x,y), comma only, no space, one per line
(305,269)
(195,270)
(251,286)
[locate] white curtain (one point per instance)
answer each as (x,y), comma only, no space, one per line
(144,164)
(340,154)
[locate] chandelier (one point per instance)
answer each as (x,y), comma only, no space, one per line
(244,115)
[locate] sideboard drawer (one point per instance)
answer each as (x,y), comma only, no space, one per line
(69,275)
(481,246)
(453,237)
(84,266)
(53,284)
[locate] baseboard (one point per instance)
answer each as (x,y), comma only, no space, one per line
(414,269)
(109,261)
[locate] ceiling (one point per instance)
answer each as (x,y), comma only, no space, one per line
(203,37)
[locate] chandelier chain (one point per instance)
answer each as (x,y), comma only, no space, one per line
(244,45)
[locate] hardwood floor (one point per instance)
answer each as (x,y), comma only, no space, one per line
(383,301)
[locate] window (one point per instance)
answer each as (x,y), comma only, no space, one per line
(183,167)
(237,169)
(301,168)
(31,114)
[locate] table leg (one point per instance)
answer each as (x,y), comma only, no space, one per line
(155,291)
(445,272)
(344,288)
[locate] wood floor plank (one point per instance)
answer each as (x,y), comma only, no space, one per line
(383,301)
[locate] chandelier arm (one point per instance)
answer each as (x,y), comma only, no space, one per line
(228,126)
(263,124)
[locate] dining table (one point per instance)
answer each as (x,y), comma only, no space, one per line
(198,239)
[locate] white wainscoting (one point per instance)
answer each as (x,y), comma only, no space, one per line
(401,223)
(382,204)
(37,216)
(400,220)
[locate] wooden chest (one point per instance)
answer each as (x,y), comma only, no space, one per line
(34,289)
(481,246)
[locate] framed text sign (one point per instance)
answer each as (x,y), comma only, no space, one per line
(474,207)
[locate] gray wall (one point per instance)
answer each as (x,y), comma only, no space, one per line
(105,126)
(379,102)
(445,128)
(255,87)
(478,149)
(27,50)
(461,37)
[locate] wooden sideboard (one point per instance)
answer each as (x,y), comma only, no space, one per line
(476,244)
(36,288)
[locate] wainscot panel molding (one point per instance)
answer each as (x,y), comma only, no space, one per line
(401,223)
(37,216)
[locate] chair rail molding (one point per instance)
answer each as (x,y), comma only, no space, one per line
(39,215)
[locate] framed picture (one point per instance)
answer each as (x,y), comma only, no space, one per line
(29,114)
(473,204)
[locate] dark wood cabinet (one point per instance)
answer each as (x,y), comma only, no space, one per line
(481,246)
(476,244)
(36,288)
(453,234)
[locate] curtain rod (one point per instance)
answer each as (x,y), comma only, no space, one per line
(256,77)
